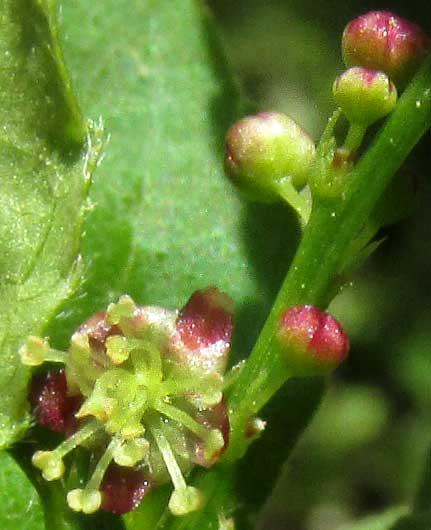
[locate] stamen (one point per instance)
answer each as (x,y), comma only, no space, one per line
(89,499)
(102,465)
(183,418)
(203,392)
(95,407)
(77,438)
(169,458)
(51,462)
(131,452)
(114,398)
(80,369)
(83,500)
(182,383)
(118,348)
(123,309)
(184,499)
(36,351)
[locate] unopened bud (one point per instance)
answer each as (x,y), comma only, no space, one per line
(383,41)
(264,148)
(311,342)
(364,95)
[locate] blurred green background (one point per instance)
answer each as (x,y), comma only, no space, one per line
(366,447)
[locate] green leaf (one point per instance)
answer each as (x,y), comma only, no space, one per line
(166,220)
(19,503)
(44,176)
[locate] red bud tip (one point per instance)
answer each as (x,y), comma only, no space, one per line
(311,341)
(381,40)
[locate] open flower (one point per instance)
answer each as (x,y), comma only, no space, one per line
(142,387)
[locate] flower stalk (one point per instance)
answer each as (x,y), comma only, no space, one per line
(330,230)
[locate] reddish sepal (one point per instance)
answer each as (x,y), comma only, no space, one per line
(123,489)
(51,404)
(213,418)
(206,319)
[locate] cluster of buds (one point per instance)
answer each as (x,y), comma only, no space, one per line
(142,387)
(268,156)
(382,51)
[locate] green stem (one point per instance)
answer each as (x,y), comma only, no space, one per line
(294,198)
(332,227)
(354,137)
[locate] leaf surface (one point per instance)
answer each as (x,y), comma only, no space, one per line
(44,181)
(166,220)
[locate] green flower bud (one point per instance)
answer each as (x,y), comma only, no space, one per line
(364,95)
(264,148)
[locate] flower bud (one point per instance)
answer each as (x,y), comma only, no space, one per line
(364,95)
(264,148)
(310,341)
(383,41)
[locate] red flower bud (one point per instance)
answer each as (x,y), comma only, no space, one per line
(383,41)
(311,342)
